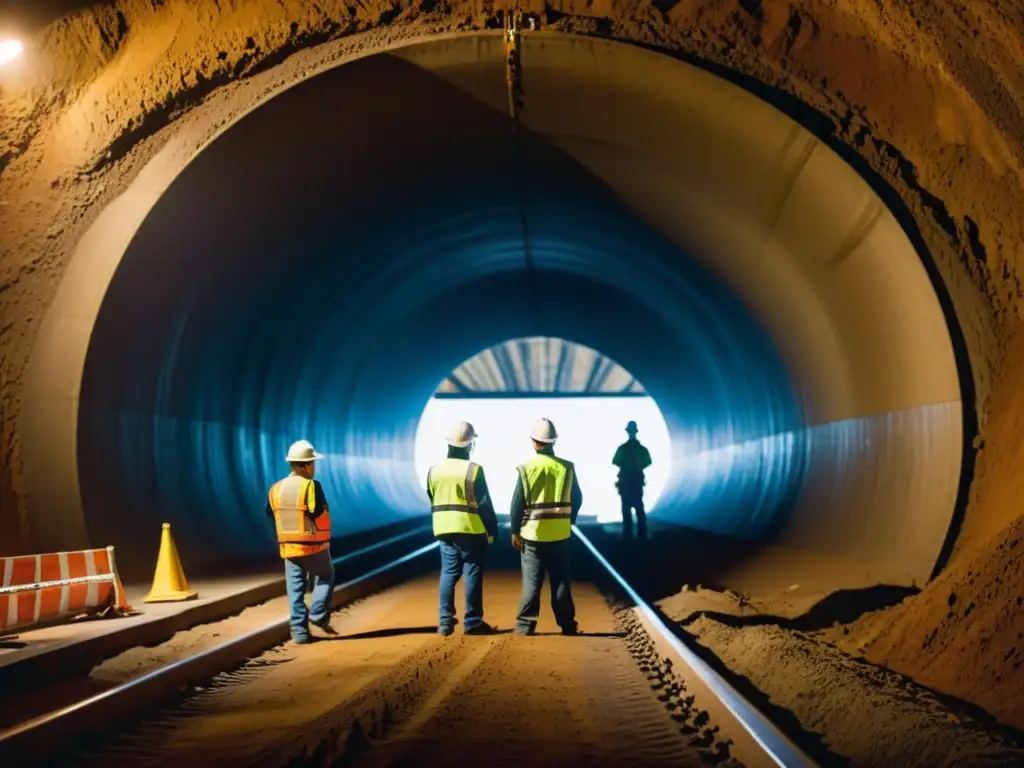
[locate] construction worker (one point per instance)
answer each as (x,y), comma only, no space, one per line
(632,458)
(299,509)
(545,503)
(465,525)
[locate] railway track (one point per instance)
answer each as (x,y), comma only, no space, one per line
(390,691)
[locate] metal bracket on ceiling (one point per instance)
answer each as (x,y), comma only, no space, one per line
(514,78)
(513,62)
(515,19)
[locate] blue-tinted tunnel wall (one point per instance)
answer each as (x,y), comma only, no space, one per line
(319,278)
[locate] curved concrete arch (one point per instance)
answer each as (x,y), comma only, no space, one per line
(836,379)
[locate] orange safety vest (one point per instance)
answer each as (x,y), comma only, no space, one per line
(298,534)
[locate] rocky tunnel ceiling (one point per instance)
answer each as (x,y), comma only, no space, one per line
(323,262)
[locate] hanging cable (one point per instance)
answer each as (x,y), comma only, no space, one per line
(514,78)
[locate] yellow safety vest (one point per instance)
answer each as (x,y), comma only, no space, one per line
(547,488)
(298,534)
(454,507)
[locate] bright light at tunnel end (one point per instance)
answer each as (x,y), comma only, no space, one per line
(589,428)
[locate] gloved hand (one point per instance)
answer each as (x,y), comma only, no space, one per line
(490,539)
(517,542)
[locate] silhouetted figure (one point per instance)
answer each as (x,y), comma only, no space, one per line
(632,458)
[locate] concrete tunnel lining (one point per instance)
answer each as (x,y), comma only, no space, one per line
(730,181)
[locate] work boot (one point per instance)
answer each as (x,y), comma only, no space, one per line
(571,630)
(445,631)
(483,628)
(325,626)
(302,639)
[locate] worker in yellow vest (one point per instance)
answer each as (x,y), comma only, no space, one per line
(545,503)
(299,509)
(465,526)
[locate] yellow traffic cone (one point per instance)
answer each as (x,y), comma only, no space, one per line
(169,582)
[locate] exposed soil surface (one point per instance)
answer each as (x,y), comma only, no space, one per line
(865,715)
(807,660)
(930,95)
(137,662)
(389,691)
(963,635)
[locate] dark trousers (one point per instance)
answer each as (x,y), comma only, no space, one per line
(537,558)
(629,503)
(463,555)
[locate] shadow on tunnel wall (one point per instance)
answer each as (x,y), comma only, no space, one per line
(325,262)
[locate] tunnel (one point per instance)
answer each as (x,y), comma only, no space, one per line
(314,268)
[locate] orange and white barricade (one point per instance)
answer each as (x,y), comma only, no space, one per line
(40,588)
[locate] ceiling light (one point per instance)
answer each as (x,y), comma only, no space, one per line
(9,51)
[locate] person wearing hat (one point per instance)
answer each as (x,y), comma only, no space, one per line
(465,526)
(632,458)
(545,503)
(301,516)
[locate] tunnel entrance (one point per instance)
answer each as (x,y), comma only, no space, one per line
(762,292)
(588,396)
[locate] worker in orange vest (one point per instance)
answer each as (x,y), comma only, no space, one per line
(299,509)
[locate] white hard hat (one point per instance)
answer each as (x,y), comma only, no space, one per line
(544,431)
(462,435)
(301,452)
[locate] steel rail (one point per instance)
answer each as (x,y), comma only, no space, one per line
(47,735)
(756,740)
(55,664)
(378,544)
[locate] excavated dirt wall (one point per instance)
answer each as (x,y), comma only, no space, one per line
(926,96)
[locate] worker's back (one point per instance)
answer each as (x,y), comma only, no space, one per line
(632,456)
(547,482)
(454,506)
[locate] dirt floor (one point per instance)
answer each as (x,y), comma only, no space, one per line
(880,719)
(789,649)
(964,634)
(931,95)
(136,662)
(390,691)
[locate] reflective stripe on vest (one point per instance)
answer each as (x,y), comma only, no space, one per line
(452,488)
(547,488)
(293,499)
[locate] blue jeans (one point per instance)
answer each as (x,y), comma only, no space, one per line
(536,558)
(462,554)
(296,570)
